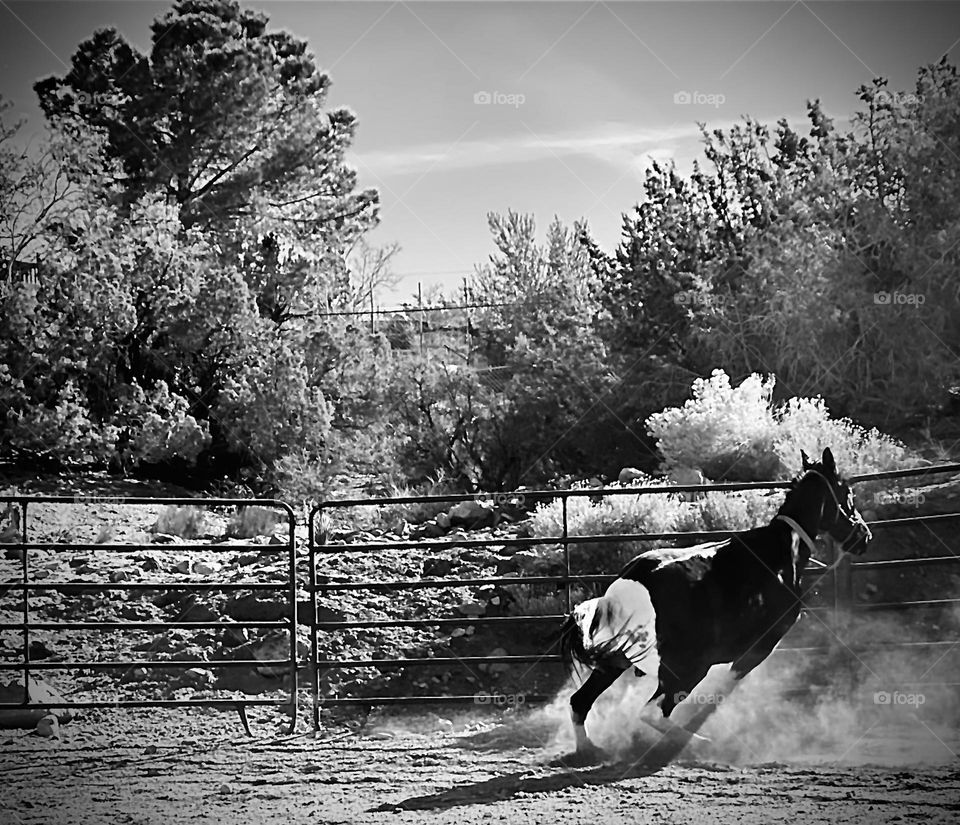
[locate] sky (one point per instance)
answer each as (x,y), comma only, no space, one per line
(548,108)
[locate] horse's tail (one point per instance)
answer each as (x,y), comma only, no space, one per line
(572,650)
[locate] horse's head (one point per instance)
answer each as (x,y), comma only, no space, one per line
(840,517)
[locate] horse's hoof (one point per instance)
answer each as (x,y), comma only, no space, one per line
(582,758)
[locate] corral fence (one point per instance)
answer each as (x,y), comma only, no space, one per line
(842,574)
(320,546)
(33,580)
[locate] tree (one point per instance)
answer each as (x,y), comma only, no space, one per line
(223,118)
(523,412)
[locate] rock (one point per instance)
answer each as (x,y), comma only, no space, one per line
(324,614)
(498,667)
(119,576)
(197,678)
(182,566)
(428,530)
(149,564)
(202,568)
(246,559)
(473,515)
(234,637)
(13,554)
(547,562)
(443,521)
(253,608)
(472,609)
(275,540)
(199,612)
(164,538)
(137,674)
(38,650)
(27,717)
(477,555)
(630,474)
(48,726)
(437,568)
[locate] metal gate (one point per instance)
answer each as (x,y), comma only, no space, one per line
(30,583)
(841,575)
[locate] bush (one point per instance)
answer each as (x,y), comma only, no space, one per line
(647,513)
(252,521)
(186,522)
(739,434)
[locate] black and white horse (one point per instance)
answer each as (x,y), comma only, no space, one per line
(675,612)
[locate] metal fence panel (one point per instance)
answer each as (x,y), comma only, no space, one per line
(27,625)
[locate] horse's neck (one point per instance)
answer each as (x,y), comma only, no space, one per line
(807,513)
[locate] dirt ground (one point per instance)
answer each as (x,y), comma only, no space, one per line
(178,766)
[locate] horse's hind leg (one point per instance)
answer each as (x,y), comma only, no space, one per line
(582,701)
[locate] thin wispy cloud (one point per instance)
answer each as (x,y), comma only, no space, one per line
(614,144)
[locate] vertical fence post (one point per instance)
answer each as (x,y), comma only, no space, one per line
(420,318)
(566,555)
(314,646)
(26,601)
(294,618)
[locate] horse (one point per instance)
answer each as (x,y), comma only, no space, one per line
(675,612)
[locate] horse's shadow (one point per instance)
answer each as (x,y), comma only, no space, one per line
(644,759)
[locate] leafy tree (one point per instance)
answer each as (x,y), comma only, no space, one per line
(224,118)
(522,411)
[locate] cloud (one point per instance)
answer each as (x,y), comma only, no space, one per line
(618,145)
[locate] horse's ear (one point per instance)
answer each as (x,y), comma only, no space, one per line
(805,458)
(828,463)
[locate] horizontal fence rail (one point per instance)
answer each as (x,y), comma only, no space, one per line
(28,625)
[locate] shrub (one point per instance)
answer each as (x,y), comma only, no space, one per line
(164,430)
(187,522)
(738,433)
(252,521)
(647,513)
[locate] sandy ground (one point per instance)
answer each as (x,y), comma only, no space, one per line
(177,766)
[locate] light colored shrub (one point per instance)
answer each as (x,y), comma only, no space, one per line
(252,521)
(187,522)
(738,433)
